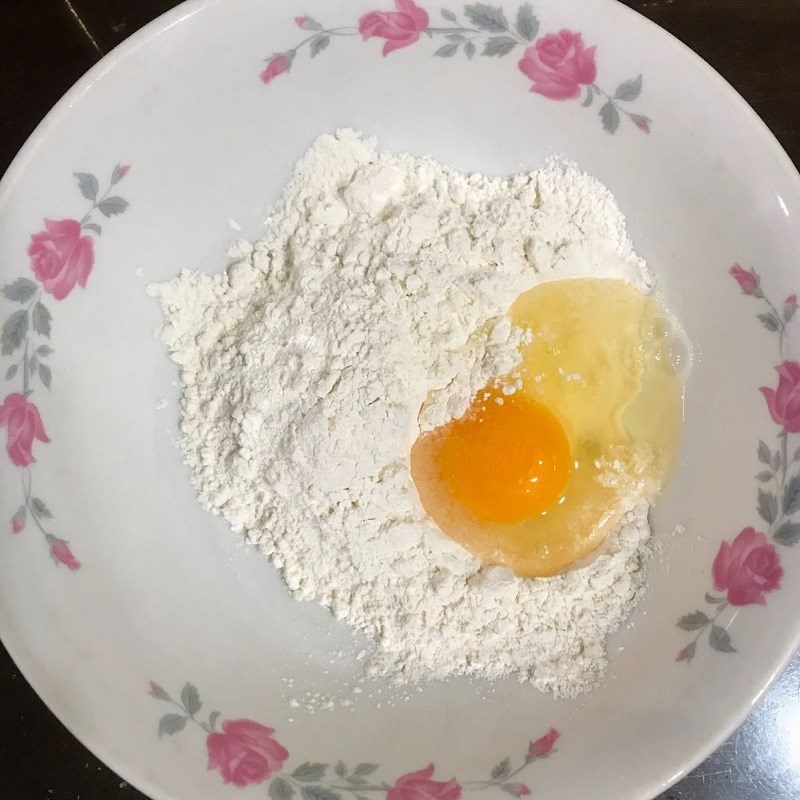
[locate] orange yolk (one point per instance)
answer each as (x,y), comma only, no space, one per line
(506,460)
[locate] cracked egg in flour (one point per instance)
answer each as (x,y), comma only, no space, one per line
(545,461)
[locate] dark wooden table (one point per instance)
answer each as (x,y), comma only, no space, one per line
(46,45)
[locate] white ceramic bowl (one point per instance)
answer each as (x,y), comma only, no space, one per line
(117,577)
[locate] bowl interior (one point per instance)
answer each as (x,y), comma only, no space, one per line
(166,593)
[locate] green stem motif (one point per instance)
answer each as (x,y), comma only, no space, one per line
(610,99)
(203,725)
(499,781)
(355,789)
(321,34)
(96,204)
(32,510)
(782,345)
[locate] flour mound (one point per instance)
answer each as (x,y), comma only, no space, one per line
(374,309)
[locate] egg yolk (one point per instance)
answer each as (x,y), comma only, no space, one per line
(506,460)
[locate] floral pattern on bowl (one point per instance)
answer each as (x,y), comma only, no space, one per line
(61,258)
(245,752)
(749,567)
(559,65)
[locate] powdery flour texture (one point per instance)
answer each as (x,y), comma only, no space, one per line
(374,309)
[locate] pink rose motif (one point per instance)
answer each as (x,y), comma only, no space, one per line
(544,744)
(17,522)
(24,424)
(642,124)
(400,28)
(120,171)
(790,307)
(59,550)
(244,752)
(747,280)
(61,257)
(559,64)
(301,22)
(277,65)
(420,786)
(784,402)
(747,569)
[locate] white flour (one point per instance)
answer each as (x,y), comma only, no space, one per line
(374,308)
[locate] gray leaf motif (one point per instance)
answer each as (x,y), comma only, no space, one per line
(764,476)
(212,719)
(190,698)
(45,375)
(44,350)
(19,291)
(764,453)
(609,117)
(589,97)
(449,15)
(447,50)
(501,770)
(469,50)
(456,37)
(629,90)
(720,640)
(767,506)
(40,509)
(486,17)
(281,789)
(170,724)
(319,44)
(112,206)
(693,621)
(14,331)
(527,24)
(41,319)
(93,226)
(796,456)
(769,321)
(516,789)
(340,769)
(687,654)
(716,601)
(319,793)
(11,371)
(365,768)
(88,185)
(788,533)
(499,46)
(309,771)
(791,496)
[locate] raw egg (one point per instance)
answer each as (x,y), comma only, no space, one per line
(545,461)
